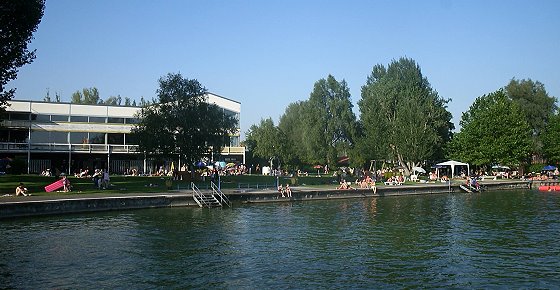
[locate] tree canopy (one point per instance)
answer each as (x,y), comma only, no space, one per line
(533,100)
(493,131)
(292,131)
(265,140)
(551,139)
(182,121)
(329,123)
(403,118)
(314,131)
(535,104)
(114,101)
(18,21)
(88,96)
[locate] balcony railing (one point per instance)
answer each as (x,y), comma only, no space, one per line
(60,147)
(87,148)
(233,150)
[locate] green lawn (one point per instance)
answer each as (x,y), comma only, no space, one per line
(141,184)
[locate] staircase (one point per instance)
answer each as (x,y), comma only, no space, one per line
(214,199)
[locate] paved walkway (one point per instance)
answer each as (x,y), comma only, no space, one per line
(38,198)
(234,191)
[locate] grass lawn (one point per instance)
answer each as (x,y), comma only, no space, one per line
(140,184)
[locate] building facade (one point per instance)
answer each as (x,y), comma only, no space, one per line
(70,137)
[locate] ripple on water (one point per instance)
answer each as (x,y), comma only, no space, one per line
(494,239)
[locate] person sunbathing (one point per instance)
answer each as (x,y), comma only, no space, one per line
(21,190)
(288,190)
(281,190)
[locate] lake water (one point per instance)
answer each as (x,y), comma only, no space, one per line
(505,239)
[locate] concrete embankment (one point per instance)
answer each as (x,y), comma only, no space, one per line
(29,206)
(303,194)
(48,205)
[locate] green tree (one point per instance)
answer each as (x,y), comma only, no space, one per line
(47,97)
(493,131)
(88,96)
(265,140)
(403,118)
(113,101)
(329,123)
(291,128)
(182,121)
(127,101)
(535,104)
(18,21)
(144,102)
(551,139)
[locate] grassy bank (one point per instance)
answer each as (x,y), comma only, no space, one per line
(144,184)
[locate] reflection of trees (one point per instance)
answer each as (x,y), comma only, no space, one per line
(97,138)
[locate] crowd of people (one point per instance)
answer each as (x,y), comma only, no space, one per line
(364,179)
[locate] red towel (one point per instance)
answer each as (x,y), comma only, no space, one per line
(54,186)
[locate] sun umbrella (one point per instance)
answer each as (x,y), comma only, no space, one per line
(418,169)
(172,166)
(500,167)
(200,164)
(318,167)
(549,167)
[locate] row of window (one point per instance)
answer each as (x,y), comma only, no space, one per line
(21,116)
(67,118)
(20,136)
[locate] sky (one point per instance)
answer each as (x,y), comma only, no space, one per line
(268,54)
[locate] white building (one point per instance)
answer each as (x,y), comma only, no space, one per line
(70,137)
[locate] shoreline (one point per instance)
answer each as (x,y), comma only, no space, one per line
(13,207)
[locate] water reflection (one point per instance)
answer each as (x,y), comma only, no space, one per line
(488,240)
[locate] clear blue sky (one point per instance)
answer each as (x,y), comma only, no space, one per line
(268,54)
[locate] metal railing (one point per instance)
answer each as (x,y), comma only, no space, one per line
(222,197)
(198,196)
(256,185)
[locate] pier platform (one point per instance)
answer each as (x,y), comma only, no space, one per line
(12,206)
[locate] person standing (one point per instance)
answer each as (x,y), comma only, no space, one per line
(66,183)
(105,179)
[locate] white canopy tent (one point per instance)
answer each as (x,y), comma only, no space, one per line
(453,163)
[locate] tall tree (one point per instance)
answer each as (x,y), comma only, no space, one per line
(551,139)
(403,118)
(18,21)
(291,129)
(47,97)
(535,104)
(329,123)
(265,140)
(493,131)
(113,101)
(88,96)
(182,121)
